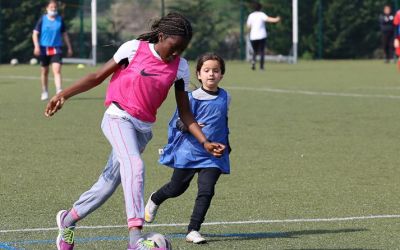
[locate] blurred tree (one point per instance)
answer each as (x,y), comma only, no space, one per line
(212,26)
(204,20)
(351,28)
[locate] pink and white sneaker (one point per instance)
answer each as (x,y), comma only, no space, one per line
(65,238)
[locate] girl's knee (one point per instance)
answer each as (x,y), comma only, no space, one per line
(45,70)
(176,189)
(206,191)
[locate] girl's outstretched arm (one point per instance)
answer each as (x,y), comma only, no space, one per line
(273,19)
(185,114)
(84,84)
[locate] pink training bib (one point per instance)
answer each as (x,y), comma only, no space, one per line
(142,87)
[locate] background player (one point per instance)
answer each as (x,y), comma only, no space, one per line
(47,40)
(258,34)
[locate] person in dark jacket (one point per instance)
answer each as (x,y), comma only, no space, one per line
(387,30)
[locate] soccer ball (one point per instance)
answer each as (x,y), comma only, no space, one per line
(33,61)
(14,61)
(159,241)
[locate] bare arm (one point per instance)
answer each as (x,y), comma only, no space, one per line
(248,27)
(84,84)
(185,114)
(68,43)
(36,45)
(273,19)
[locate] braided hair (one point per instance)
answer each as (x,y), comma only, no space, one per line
(173,24)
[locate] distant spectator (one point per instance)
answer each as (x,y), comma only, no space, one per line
(47,40)
(396,42)
(386,25)
(258,34)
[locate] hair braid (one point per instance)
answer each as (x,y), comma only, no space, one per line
(173,24)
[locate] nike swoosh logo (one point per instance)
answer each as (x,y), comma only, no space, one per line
(143,73)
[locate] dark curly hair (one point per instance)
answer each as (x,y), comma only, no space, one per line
(173,24)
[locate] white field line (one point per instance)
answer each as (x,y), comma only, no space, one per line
(263,89)
(32,78)
(315,93)
(334,219)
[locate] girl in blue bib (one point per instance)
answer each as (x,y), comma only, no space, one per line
(187,156)
(47,39)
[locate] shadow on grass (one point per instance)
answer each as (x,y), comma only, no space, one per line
(289,235)
(272,235)
(210,238)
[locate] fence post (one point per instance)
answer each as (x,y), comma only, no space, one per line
(241,30)
(1,32)
(320,30)
(162,8)
(81,34)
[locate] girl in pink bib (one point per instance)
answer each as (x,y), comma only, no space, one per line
(143,72)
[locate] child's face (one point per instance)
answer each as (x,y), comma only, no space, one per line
(169,47)
(210,75)
(387,10)
(52,7)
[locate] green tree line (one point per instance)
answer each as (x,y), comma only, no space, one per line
(331,29)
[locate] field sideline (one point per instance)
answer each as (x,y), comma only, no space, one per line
(315,162)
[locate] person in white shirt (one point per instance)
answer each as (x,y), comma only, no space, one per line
(258,34)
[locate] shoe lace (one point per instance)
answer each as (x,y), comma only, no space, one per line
(68,235)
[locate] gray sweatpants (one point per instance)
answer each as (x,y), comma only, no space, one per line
(124,166)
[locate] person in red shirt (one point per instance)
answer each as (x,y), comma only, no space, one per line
(396,23)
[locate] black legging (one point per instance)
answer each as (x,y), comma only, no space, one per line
(178,184)
(387,44)
(258,49)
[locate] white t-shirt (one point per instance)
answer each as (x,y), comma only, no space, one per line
(256,23)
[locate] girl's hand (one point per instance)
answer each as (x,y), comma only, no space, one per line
(54,105)
(84,84)
(214,148)
(396,43)
(36,51)
(69,52)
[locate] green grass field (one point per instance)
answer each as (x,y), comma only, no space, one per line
(315,161)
